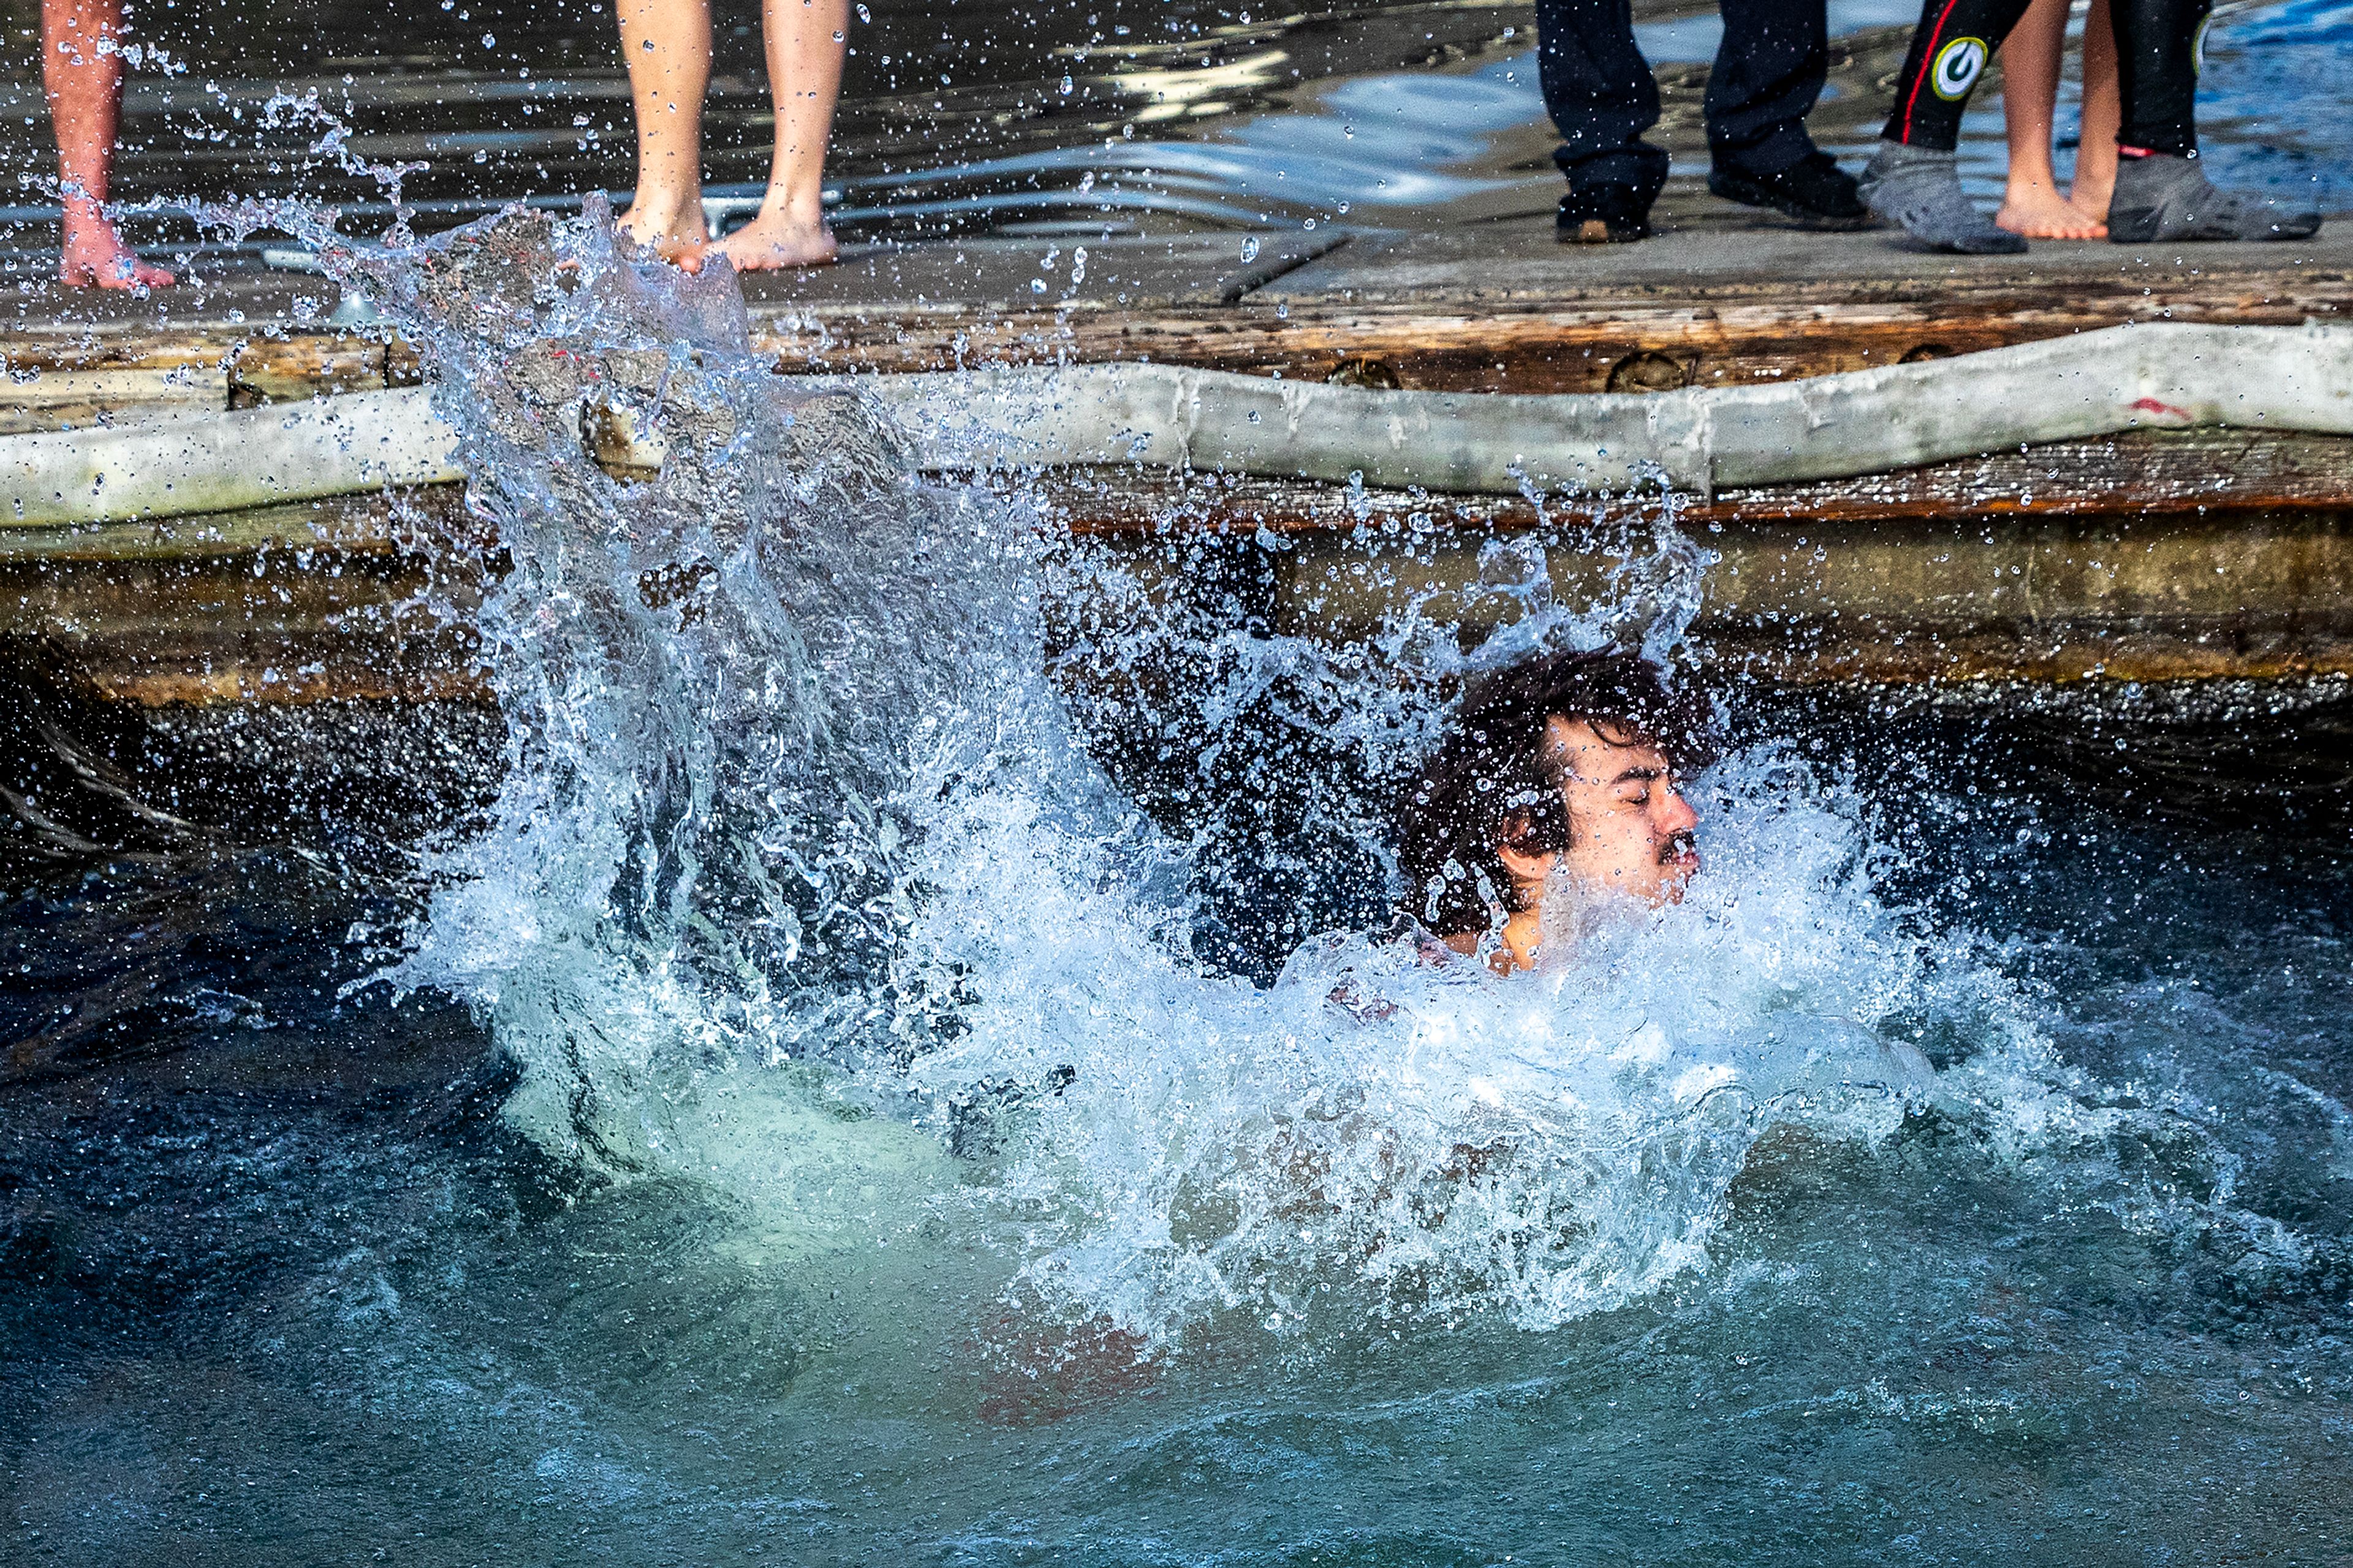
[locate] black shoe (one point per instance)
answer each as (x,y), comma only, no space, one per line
(1603,214)
(1814,190)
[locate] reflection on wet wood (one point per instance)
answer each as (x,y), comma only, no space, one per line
(360,598)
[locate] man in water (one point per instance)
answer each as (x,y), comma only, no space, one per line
(1569,765)
(2161,196)
(1768,73)
(81,68)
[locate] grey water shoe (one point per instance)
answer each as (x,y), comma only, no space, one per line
(2161,197)
(1919,188)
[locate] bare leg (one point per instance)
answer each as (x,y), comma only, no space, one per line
(83,76)
(2030,57)
(668,46)
(2095,155)
(805,54)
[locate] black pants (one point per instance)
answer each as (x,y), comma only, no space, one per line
(1601,94)
(2156,70)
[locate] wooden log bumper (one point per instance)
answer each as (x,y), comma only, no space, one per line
(182,463)
(1866,422)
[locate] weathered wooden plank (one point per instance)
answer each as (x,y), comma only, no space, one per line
(282,370)
(76,399)
(2048,599)
(373,525)
(1711,334)
(1628,346)
(27,355)
(288,610)
(51,381)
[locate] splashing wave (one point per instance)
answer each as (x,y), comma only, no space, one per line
(805,881)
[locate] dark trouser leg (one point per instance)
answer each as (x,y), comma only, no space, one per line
(1949,50)
(1601,95)
(1768,73)
(2156,72)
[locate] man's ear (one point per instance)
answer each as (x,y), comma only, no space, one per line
(1526,867)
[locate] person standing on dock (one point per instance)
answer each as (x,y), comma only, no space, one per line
(2161,194)
(81,71)
(2032,58)
(668,46)
(1769,71)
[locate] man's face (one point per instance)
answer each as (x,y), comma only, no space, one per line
(1629,827)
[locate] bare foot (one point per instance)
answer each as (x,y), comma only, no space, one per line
(771,242)
(2092,204)
(94,256)
(670,228)
(2038,212)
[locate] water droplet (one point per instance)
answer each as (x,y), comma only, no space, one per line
(864,15)
(836,34)
(489,40)
(1036,285)
(1344,207)
(1066,86)
(1249,250)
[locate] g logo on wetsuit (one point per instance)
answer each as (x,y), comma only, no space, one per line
(1955,68)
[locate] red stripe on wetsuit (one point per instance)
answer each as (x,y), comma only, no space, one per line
(1927,65)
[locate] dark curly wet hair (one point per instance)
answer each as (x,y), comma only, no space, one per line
(1492,780)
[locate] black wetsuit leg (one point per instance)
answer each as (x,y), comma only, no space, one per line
(2159,43)
(2156,64)
(1769,71)
(1601,95)
(1949,50)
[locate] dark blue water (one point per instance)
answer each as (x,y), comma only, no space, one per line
(280,1282)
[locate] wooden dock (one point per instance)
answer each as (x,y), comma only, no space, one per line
(2154,555)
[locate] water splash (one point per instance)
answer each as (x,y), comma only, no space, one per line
(806,878)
